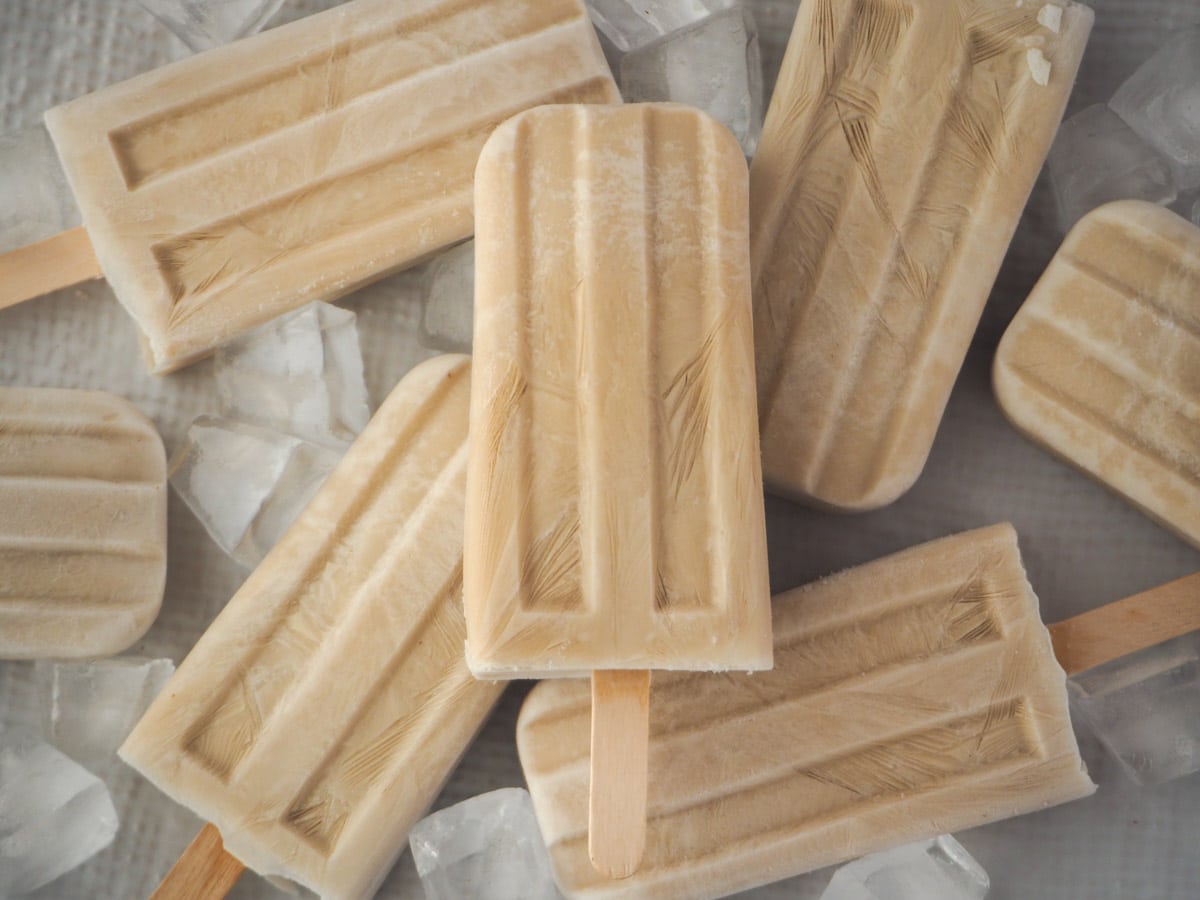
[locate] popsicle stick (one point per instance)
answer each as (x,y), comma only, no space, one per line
(620,741)
(1126,626)
(204,871)
(47,266)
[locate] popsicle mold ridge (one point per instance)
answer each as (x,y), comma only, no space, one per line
(899,149)
(83,523)
(614,508)
(911,696)
(303,162)
(317,718)
(1101,365)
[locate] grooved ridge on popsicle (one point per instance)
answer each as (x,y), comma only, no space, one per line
(217,254)
(313,612)
(332,77)
(82,523)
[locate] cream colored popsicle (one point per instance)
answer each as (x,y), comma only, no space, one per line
(83,523)
(319,715)
(1101,366)
(915,695)
(301,163)
(899,149)
(614,505)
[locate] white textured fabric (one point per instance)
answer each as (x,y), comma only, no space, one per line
(1083,546)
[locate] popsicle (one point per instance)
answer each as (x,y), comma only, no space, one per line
(915,695)
(901,143)
(320,714)
(83,523)
(614,505)
(1101,366)
(298,164)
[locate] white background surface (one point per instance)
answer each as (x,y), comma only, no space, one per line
(1082,546)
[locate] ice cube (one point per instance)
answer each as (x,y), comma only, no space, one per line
(202,24)
(54,814)
(630,24)
(1161,102)
(88,708)
(247,484)
(713,64)
(301,374)
(1096,158)
(448,300)
(35,200)
(488,847)
(1145,709)
(775,19)
(936,869)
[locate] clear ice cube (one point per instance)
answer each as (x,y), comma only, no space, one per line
(448,300)
(202,24)
(488,847)
(89,708)
(1145,709)
(1096,158)
(35,200)
(247,484)
(301,374)
(54,814)
(630,24)
(936,869)
(1161,102)
(775,20)
(713,64)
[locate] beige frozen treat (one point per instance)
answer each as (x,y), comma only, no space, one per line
(299,164)
(914,695)
(900,146)
(319,715)
(1102,364)
(614,504)
(83,523)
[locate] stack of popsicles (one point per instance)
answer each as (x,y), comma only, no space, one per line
(584,496)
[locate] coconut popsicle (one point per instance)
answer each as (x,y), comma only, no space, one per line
(911,696)
(1101,365)
(83,523)
(900,146)
(319,715)
(298,164)
(614,506)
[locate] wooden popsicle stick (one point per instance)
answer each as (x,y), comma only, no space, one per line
(47,266)
(204,871)
(1126,626)
(620,743)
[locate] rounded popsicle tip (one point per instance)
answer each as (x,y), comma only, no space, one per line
(84,497)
